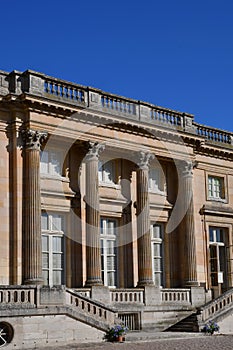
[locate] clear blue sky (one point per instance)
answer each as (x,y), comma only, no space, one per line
(173,53)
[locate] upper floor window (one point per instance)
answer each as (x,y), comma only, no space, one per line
(156,181)
(107,172)
(50,163)
(216,188)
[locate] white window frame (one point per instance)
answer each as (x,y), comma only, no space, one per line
(106,237)
(215,242)
(159,242)
(51,232)
(216,188)
(47,165)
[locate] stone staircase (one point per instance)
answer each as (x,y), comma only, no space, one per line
(215,310)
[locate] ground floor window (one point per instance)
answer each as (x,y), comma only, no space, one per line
(52,225)
(157,253)
(218,256)
(108,237)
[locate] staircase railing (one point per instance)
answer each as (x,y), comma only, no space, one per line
(216,306)
(90,307)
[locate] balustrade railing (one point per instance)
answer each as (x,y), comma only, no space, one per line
(118,104)
(166,117)
(39,84)
(90,307)
(11,296)
(67,92)
(176,296)
(216,306)
(127,295)
(214,135)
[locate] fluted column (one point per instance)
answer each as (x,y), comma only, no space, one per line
(93,216)
(32,255)
(143,221)
(188,223)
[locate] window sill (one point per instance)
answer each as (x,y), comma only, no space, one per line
(110,185)
(219,200)
(54,177)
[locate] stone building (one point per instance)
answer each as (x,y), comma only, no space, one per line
(111,208)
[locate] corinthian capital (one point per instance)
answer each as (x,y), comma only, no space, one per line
(144,159)
(94,150)
(187,167)
(33,139)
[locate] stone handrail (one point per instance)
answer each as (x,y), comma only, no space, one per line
(216,306)
(127,295)
(41,85)
(176,295)
(17,296)
(90,307)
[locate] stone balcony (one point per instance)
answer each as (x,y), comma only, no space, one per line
(77,96)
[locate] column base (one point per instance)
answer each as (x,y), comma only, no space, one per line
(34,281)
(189,284)
(94,282)
(145,283)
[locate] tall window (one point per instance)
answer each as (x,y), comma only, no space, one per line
(156,181)
(50,163)
(216,187)
(52,248)
(157,253)
(217,255)
(108,236)
(107,172)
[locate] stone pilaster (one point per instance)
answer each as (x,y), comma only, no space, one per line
(92,215)
(143,221)
(186,181)
(32,255)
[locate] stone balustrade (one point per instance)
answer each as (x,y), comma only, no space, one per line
(20,296)
(214,135)
(65,91)
(90,307)
(176,296)
(41,85)
(215,307)
(127,295)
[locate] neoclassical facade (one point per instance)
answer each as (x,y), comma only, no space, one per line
(114,200)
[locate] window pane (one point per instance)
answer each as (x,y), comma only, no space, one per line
(44,221)
(45,243)
(57,222)
(55,163)
(45,275)
(57,244)
(211,235)
(44,162)
(111,227)
(57,277)
(108,172)
(45,260)
(111,278)
(110,247)
(57,261)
